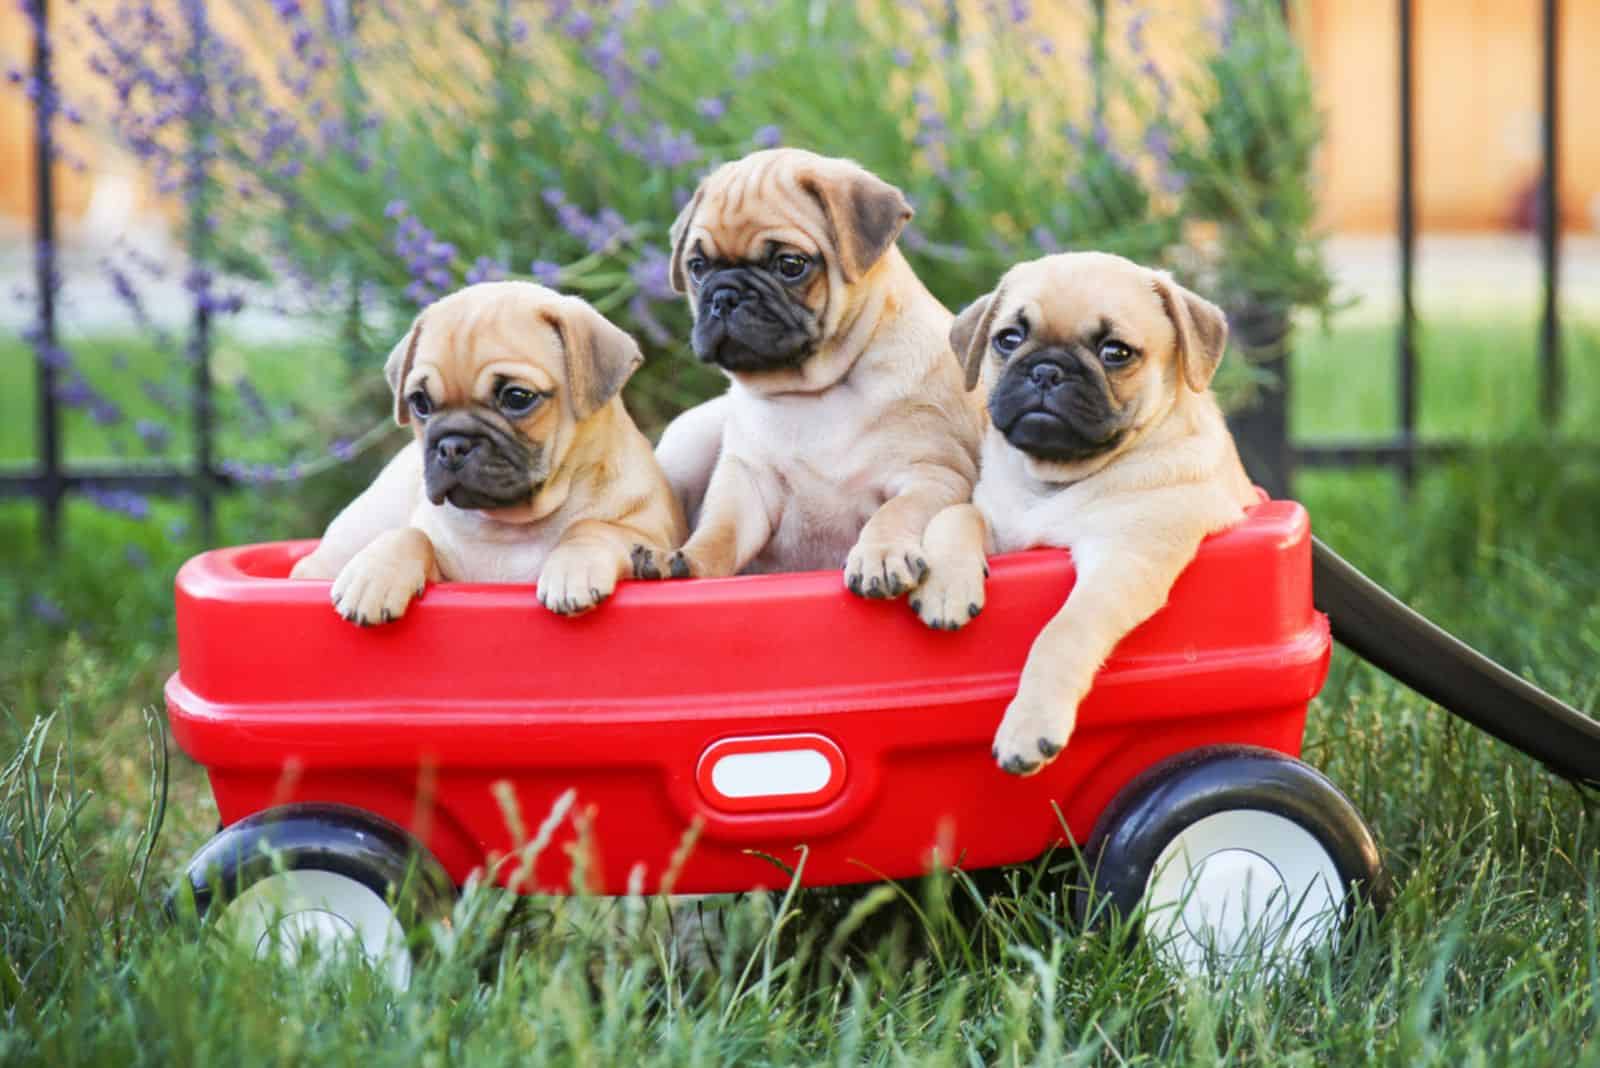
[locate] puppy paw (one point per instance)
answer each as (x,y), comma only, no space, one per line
(952,594)
(1032,733)
(576,580)
(884,570)
(311,566)
(377,586)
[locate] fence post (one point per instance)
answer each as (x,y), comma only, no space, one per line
(196,181)
(1550,379)
(1261,427)
(1408,233)
(51,484)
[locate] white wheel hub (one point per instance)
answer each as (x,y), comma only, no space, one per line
(1241,887)
(305,913)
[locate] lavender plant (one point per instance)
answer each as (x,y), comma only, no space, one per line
(397,149)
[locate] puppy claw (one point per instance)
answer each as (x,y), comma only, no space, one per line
(1017,766)
(643,559)
(973,610)
(882,571)
(678,566)
(1048,748)
(916,606)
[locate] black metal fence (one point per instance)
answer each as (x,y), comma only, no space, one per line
(1263,431)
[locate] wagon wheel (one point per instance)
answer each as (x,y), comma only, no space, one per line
(1229,855)
(319,878)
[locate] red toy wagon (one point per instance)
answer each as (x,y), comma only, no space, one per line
(759,714)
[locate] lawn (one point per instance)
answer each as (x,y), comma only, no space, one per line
(1490,953)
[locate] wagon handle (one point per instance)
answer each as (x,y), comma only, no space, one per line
(1383,631)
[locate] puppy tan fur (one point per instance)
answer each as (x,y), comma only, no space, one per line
(1103,439)
(525,463)
(845,426)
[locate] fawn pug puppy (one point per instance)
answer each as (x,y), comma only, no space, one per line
(525,463)
(845,426)
(1104,438)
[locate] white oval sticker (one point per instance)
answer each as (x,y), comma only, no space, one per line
(778,773)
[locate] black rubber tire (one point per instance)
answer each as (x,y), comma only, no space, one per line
(1160,803)
(341,839)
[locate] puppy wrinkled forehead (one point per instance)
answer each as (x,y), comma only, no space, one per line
(1068,297)
(490,323)
(751,202)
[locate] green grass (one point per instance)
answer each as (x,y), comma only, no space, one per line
(1489,955)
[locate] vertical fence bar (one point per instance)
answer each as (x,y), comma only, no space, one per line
(196,182)
(1408,227)
(1097,60)
(51,485)
(1550,369)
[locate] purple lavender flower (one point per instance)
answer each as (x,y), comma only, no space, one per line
(651,273)
(579,26)
(768,136)
(545,273)
(154,436)
(1135,34)
(485,269)
(136,557)
(651,58)
(639,310)
(125,502)
(428,260)
(46,611)
(900,57)
(1020,12)
(711,108)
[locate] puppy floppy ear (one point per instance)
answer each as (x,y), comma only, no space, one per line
(678,235)
(398,365)
(599,357)
(969,334)
(1201,328)
(865,214)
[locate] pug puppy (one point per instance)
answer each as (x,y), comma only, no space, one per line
(845,426)
(1103,438)
(524,463)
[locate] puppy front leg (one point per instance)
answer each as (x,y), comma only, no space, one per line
(735,524)
(1118,587)
(385,505)
(378,583)
(887,558)
(955,548)
(583,569)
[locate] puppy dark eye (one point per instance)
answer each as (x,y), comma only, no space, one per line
(517,402)
(1115,354)
(420,405)
(1007,341)
(791,266)
(697,267)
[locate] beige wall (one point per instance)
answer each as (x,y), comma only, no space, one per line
(1477,72)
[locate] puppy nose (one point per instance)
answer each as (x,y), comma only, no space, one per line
(1047,375)
(724,300)
(453,450)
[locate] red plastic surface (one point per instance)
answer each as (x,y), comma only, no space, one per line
(282,700)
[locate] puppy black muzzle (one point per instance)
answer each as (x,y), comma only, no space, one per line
(472,463)
(1053,405)
(747,320)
